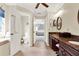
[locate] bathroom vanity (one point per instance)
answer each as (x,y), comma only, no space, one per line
(68,46)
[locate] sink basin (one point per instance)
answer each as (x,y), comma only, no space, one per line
(74,42)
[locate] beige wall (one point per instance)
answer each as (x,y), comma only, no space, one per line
(69,19)
(5,49)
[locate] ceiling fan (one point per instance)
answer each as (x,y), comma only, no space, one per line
(44,4)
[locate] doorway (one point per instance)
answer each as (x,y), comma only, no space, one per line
(26,31)
(39,30)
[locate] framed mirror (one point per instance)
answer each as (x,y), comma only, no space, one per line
(59,23)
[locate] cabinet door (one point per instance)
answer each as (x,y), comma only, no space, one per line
(67,54)
(63,52)
(70,51)
(54,47)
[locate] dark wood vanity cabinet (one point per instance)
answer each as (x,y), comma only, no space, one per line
(52,43)
(65,48)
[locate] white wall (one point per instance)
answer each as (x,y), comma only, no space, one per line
(69,19)
(47,30)
(31,29)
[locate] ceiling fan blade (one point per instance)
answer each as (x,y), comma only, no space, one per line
(37,5)
(45,4)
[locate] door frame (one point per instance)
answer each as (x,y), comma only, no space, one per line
(33,29)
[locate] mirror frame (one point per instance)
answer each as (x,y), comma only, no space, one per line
(59,25)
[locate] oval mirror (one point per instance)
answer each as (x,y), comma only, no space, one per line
(59,23)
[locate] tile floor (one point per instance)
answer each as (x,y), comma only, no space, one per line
(40,49)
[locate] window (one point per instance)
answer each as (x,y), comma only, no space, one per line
(2,23)
(41,27)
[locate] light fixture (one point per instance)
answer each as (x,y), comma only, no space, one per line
(59,13)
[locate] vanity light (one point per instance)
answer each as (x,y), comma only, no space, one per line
(59,13)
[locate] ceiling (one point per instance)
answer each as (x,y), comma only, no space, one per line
(41,11)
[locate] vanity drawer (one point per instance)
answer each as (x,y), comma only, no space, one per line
(64,52)
(69,49)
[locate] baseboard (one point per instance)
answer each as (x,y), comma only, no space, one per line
(17,53)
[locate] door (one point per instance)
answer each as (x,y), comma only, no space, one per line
(14,43)
(39,30)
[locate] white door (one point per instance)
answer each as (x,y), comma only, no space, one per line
(13,36)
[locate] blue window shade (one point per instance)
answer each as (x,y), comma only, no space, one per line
(0,23)
(2,12)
